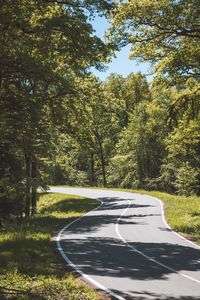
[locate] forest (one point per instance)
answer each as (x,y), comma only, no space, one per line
(61,125)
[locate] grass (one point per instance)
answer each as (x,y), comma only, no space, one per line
(29,267)
(182,213)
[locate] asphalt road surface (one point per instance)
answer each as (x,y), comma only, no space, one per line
(126,248)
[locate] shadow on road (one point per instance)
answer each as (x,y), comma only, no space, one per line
(119,203)
(110,257)
(144,295)
(92,223)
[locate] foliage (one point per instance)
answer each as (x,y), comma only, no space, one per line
(141,145)
(61,125)
(186,180)
(38,83)
(164,32)
(121,130)
(125,94)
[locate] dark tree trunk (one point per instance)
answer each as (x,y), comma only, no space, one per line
(34,186)
(28,162)
(1,79)
(102,159)
(92,174)
(28,184)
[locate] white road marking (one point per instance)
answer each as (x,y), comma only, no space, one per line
(69,262)
(94,282)
(143,254)
(167,225)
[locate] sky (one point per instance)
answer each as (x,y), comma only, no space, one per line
(121,64)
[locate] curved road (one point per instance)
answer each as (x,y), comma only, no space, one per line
(126,248)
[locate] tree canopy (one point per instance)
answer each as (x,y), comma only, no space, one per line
(45,47)
(61,125)
(165,32)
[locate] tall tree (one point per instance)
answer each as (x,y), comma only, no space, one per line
(141,148)
(40,57)
(125,94)
(165,33)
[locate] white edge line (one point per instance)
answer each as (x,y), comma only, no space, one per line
(143,254)
(95,283)
(168,226)
(164,219)
(71,264)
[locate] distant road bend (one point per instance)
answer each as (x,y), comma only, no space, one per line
(126,248)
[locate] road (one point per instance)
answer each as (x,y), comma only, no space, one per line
(126,248)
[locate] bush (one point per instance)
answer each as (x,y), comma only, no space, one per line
(186,180)
(165,182)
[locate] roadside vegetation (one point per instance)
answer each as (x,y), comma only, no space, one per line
(29,266)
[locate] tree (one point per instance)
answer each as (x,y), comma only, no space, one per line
(165,33)
(125,94)
(37,79)
(183,145)
(94,126)
(141,148)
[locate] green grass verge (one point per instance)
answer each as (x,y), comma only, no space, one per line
(29,267)
(182,213)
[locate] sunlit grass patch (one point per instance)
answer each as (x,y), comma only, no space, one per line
(29,267)
(19,286)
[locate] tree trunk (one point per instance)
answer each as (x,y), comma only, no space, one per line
(28,160)
(92,174)
(1,80)
(34,186)
(102,160)
(28,184)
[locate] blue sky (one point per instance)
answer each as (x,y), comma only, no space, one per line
(120,64)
